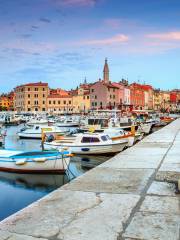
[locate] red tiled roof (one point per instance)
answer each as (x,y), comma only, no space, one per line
(33,84)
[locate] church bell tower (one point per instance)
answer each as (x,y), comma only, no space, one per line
(106,72)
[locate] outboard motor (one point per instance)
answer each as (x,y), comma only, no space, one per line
(50,138)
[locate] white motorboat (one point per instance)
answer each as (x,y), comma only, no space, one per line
(31,162)
(35,131)
(67,123)
(145,127)
(88,143)
(118,133)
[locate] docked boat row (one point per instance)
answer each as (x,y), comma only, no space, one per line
(95,134)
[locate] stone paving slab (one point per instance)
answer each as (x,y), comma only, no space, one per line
(88,216)
(4,235)
(97,223)
(159,204)
(151,226)
(145,150)
(167,176)
(142,161)
(161,189)
(111,180)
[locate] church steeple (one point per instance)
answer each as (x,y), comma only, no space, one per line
(106,72)
(85,81)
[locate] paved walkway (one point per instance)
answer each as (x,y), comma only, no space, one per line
(128,197)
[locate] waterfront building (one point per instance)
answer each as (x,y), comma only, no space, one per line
(81,98)
(31,97)
(59,104)
(137,96)
(123,94)
(157,99)
(165,100)
(4,103)
(148,96)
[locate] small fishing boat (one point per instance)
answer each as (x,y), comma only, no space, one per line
(88,143)
(35,131)
(34,161)
(146,127)
(67,123)
(118,133)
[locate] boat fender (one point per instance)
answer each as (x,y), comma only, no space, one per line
(69,155)
(65,148)
(21,162)
(40,160)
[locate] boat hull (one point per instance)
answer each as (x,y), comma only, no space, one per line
(34,135)
(31,165)
(89,149)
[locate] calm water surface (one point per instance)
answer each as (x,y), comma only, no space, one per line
(19,190)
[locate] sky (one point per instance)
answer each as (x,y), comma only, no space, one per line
(63,41)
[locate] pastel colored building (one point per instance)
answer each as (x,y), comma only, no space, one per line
(157,99)
(31,97)
(123,94)
(59,104)
(137,96)
(148,96)
(4,103)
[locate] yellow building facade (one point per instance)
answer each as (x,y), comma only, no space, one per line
(31,97)
(57,104)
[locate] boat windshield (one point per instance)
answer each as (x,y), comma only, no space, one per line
(90,140)
(104,138)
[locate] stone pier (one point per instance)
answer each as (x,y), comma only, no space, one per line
(130,197)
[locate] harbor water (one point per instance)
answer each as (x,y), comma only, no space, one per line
(19,190)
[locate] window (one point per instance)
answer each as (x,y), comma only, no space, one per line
(95,97)
(113,96)
(59,102)
(92,103)
(92,90)
(110,96)
(43,102)
(54,102)
(69,102)
(29,96)
(36,89)
(87,97)
(104,138)
(29,102)
(64,102)
(43,90)
(29,89)
(90,140)
(29,109)
(43,95)
(95,104)
(43,109)
(49,102)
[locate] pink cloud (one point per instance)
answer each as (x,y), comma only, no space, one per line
(69,3)
(120,38)
(168,36)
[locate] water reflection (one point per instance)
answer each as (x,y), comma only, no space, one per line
(19,190)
